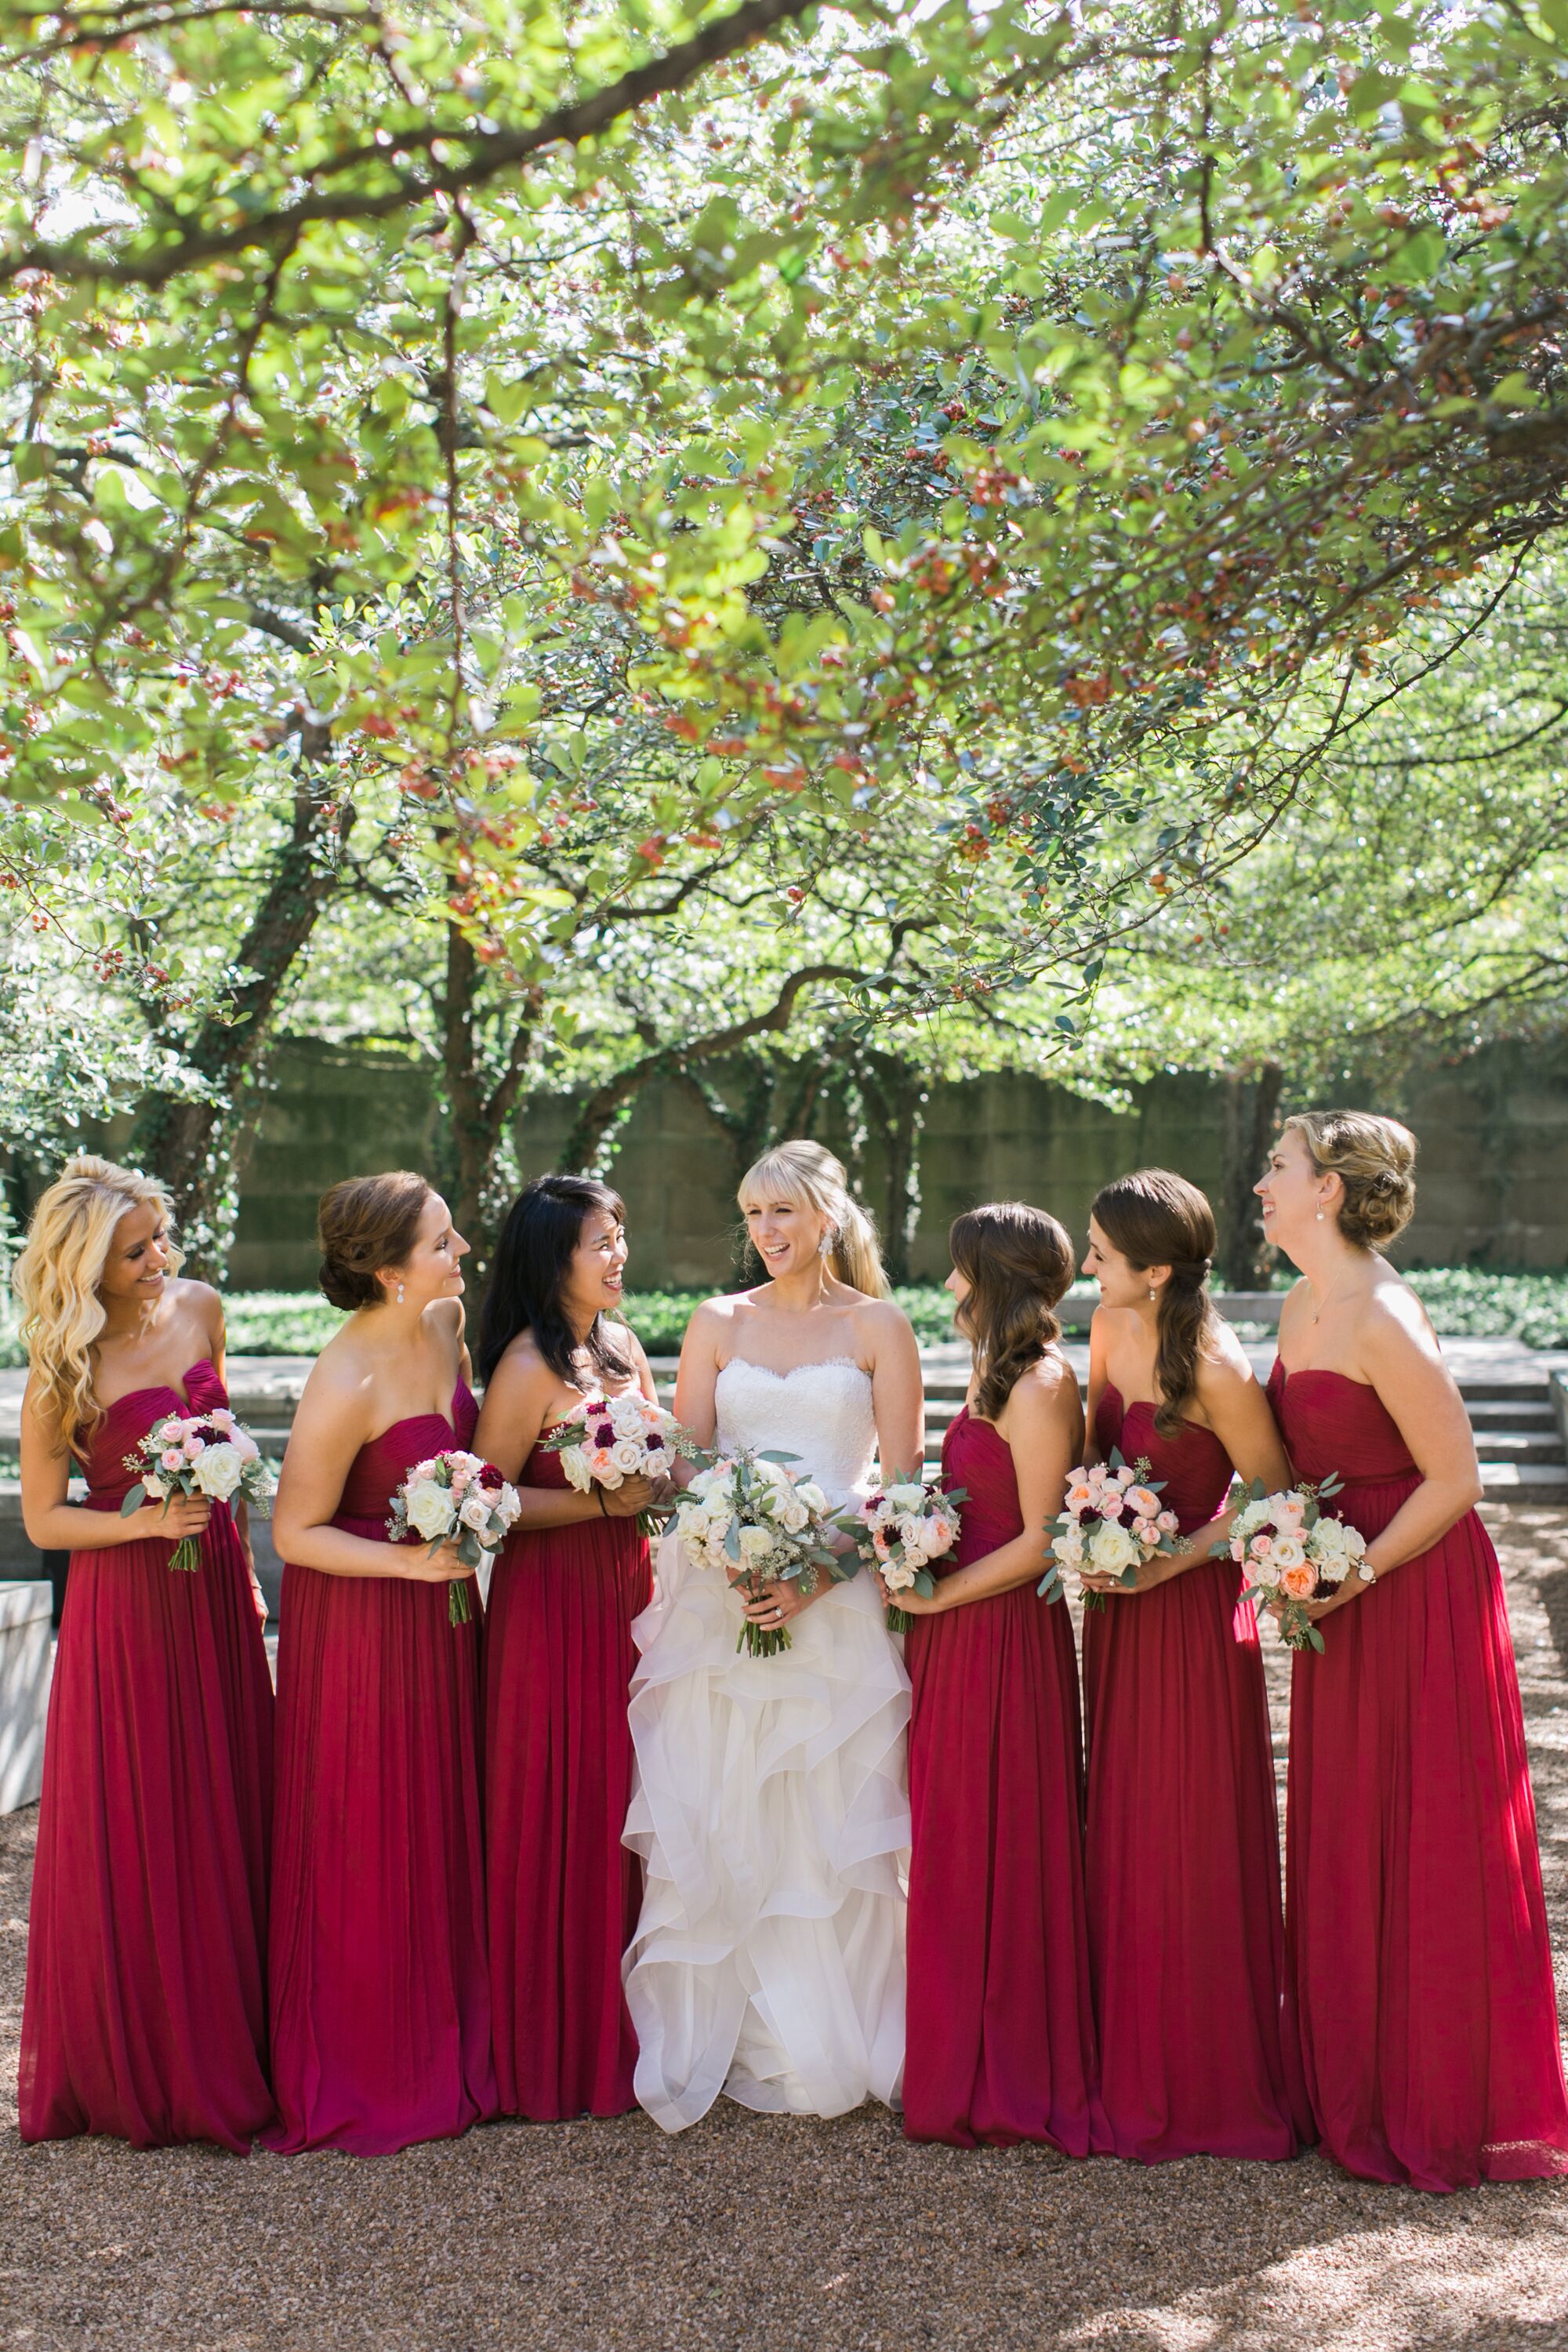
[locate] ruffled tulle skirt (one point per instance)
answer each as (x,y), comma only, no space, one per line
(769,1808)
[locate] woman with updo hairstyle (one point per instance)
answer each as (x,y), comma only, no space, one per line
(1418,1960)
(145,2010)
(1001,2025)
(1183,1852)
(564,1890)
(381,2023)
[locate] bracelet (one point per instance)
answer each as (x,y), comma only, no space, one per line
(604,1507)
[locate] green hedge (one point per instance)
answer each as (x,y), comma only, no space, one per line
(1463,1301)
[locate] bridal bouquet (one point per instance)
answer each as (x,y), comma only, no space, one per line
(197,1453)
(1291,1553)
(1110,1523)
(456,1497)
(746,1517)
(903,1529)
(611,1439)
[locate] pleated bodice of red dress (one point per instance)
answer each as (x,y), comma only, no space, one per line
(1001,2043)
(380,2024)
(1186,1938)
(1417,1957)
(563,1892)
(145,2012)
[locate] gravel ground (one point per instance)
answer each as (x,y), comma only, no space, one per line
(775,2234)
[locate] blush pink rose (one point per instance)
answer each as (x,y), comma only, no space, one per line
(1300,1582)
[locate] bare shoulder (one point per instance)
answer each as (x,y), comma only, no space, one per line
(1294,1303)
(448,1316)
(343,1378)
(522,1382)
(1223,1361)
(1391,1323)
(1048,1384)
(716,1319)
(197,1304)
(880,1324)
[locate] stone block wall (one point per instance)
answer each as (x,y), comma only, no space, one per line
(1493,1132)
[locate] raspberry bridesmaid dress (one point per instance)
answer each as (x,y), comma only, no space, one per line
(1185,1935)
(1001,2043)
(563,1892)
(145,2012)
(1418,1958)
(381,2020)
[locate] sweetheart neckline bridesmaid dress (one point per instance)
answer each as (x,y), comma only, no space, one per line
(563,1891)
(1417,1958)
(145,2012)
(380,2021)
(1186,1936)
(1001,2041)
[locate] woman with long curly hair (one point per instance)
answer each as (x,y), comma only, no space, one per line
(145,2012)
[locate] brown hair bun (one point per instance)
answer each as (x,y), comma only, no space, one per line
(1374,1159)
(363,1226)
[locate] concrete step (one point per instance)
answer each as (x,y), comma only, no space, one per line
(1525,1482)
(1504,1413)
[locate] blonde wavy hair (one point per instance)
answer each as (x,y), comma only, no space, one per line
(808,1174)
(56,1280)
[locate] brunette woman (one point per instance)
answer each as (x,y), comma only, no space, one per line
(1182,1851)
(1418,1960)
(145,2012)
(1001,2032)
(564,1890)
(381,2028)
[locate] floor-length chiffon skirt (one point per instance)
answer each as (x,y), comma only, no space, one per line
(1183,1873)
(562,1889)
(145,2013)
(381,2030)
(1000,2031)
(1418,1962)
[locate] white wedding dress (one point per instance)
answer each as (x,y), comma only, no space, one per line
(770,1807)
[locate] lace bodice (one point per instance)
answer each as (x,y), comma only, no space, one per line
(820,1412)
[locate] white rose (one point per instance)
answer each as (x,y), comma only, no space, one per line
(791,1514)
(812,1496)
(627,1456)
(756,1543)
(430,1508)
(906,1498)
(476,1512)
(217,1471)
(1112,1549)
(899,1575)
(1289,1551)
(627,1415)
(574,1462)
(1068,1548)
(155,1485)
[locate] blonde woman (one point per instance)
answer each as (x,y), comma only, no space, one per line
(769,1803)
(145,2012)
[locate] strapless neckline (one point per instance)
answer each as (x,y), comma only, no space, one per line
(817,1364)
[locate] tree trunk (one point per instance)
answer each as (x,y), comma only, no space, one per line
(472,1165)
(192,1145)
(908,1099)
(1248,1112)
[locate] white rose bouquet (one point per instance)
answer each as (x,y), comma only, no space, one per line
(611,1439)
(454,1497)
(197,1453)
(1110,1523)
(1291,1553)
(899,1530)
(746,1517)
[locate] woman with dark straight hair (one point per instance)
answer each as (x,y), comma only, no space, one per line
(1000,2031)
(564,1890)
(1186,1941)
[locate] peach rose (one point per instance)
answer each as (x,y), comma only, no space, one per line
(1300,1582)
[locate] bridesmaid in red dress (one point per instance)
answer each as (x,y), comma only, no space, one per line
(145,2012)
(380,2024)
(1000,2031)
(1183,1852)
(564,1890)
(1417,1954)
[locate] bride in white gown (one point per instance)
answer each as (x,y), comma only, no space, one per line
(769,1803)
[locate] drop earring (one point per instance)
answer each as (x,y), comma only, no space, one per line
(400,1294)
(1320,1216)
(1152,1292)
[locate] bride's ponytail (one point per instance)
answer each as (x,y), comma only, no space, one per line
(802,1170)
